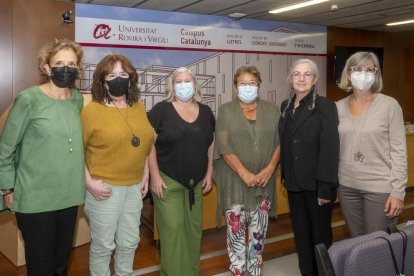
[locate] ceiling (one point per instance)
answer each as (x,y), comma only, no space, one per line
(356,14)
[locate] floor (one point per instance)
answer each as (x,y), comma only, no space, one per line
(279,253)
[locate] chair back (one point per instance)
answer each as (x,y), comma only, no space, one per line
(374,257)
(339,251)
(323,261)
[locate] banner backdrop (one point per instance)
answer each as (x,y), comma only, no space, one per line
(158,42)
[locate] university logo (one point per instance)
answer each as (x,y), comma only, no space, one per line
(102,30)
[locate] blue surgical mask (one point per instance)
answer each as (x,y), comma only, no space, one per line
(184,91)
(247,93)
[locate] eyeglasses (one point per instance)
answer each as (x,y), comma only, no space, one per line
(371,70)
(112,76)
(243,83)
(298,75)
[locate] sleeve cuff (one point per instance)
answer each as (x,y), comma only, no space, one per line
(398,195)
(327,191)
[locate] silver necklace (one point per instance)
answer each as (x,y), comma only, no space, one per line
(134,140)
(69,132)
(359,156)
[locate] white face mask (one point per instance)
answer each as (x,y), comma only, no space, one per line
(362,80)
(184,91)
(247,93)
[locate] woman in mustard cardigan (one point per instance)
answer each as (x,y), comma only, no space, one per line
(117,138)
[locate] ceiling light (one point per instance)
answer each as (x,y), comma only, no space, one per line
(400,22)
(298,6)
(237,15)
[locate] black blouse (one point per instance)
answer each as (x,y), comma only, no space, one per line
(181,146)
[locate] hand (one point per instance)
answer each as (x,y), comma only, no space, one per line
(207,184)
(393,207)
(249,179)
(157,185)
(144,189)
(97,189)
(264,176)
(144,185)
(8,200)
(322,201)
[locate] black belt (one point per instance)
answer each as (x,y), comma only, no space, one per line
(190,186)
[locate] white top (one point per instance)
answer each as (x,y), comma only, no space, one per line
(373,150)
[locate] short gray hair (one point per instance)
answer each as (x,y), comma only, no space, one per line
(359,59)
(170,93)
(313,65)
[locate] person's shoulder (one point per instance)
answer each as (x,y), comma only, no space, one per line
(160,105)
(387,99)
(76,94)
(91,108)
(342,101)
(269,104)
(389,103)
(284,104)
(325,103)
(139,108)
(226,106)
(205,108)
(324,100)
(28,96)
(77,98)
(159,110)
(138,105)
(30,93)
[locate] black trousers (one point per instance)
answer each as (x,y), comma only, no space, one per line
(48,238)
(311,225)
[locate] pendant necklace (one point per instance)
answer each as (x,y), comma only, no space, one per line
(68,129)
(359,156)
(134,140)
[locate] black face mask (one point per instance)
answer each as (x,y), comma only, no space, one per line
(118,86)
(64,76)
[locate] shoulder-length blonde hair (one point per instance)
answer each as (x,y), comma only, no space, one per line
(359,59)
(170,93)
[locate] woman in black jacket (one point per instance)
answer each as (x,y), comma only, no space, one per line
(309,139)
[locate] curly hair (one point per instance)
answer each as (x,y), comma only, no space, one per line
(105,67)
(51,49)
(247,69)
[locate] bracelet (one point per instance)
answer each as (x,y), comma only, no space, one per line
(242,173)
(6,192)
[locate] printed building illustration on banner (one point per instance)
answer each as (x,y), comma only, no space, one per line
(214,68)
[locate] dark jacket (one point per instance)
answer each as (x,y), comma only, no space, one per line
(315,147)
